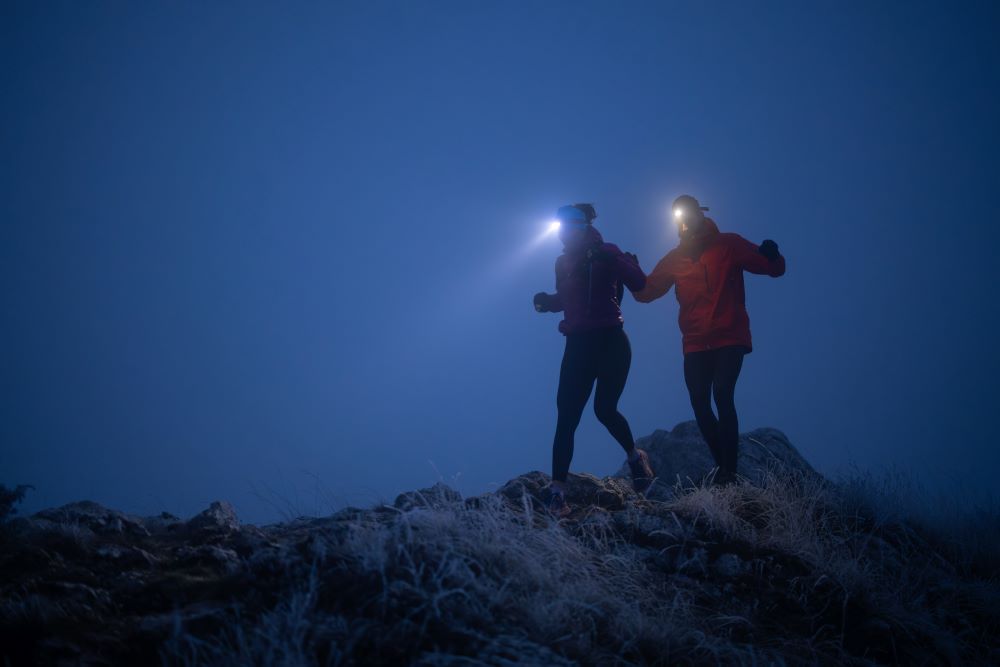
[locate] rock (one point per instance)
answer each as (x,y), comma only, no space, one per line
(163,522)
(529,484)
(133,557)
(220,517)
(682,455)
(68,539)
(624,579)
(583,490)
(435,496)
(211,555)
(95,517)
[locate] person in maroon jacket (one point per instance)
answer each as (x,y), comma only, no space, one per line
(589,278)
(707,268)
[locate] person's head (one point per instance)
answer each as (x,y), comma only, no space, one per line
(689,216)
(574,221)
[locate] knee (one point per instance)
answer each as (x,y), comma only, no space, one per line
(725,400)
(701,403)
(606,413)
(568,418)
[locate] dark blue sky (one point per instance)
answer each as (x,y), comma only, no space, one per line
(260,252)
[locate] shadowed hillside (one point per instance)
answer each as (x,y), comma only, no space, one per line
(784,568)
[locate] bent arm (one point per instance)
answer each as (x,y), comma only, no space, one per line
(658,283)
(556,302)
(749,258)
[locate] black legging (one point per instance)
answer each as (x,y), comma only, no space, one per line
(603,355)
(715,372)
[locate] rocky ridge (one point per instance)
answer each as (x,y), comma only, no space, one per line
(784,567)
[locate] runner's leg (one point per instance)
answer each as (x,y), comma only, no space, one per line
(576,381)
(612,373)
(729,362)
(699,370)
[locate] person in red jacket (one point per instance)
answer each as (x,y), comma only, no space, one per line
(706,269)
(589,286)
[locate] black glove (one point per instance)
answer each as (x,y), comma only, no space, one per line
(543,302)
(769,249)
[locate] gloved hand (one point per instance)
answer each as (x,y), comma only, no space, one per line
(769,249)
(543,302)
(631,255)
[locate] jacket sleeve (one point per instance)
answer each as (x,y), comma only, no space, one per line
(748,257)
(658,283)
(556,304)
(625,268)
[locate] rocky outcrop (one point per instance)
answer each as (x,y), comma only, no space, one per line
(582,490)
(439,495)
(779,569)
(92,517)
(681,457)
(220,517)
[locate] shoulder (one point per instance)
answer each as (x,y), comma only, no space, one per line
(675,255)
(735,241)
(611,248)
(669,261)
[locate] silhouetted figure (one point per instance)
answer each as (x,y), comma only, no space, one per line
(589,277)
(707,268)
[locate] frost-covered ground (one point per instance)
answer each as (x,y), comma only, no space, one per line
(787,569)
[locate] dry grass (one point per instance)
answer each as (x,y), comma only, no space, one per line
(818,573)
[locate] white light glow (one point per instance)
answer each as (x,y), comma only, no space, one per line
(678,212)
(553,226)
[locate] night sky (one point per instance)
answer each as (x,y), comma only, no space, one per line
(283,254)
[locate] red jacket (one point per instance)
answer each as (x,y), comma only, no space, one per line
(708,272)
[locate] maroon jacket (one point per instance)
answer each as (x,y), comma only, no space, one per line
(708,272)
(588,291)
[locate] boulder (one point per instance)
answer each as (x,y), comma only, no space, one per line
(438,495)
(683,455)
(93,516)
(582,490)
(220,517)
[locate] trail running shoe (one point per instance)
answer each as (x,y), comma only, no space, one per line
(642,471)
(557,502)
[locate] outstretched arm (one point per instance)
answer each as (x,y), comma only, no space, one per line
(658,283)
(626,267)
